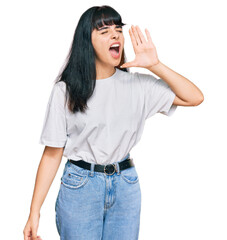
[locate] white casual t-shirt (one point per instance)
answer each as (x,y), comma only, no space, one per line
(114,121)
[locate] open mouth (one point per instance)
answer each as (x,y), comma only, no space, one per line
(115,51)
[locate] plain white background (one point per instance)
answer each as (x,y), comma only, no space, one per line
(181,160)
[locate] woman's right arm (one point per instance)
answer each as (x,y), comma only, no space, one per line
(46,172)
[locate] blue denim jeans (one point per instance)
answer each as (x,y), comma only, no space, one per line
(95,206)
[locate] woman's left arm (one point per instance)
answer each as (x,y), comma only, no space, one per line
(187,93)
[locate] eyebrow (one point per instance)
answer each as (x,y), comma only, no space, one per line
(118,26)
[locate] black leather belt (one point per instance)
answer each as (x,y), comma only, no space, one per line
(109,169)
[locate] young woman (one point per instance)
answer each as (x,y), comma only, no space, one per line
(95,116)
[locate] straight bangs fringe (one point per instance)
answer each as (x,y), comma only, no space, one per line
(106,15)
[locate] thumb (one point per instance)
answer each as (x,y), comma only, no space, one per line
(36,238)
(34,234)
(128,64)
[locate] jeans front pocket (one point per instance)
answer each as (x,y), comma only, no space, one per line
(130,175)
(74,177)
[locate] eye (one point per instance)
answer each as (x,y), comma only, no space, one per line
(106,32)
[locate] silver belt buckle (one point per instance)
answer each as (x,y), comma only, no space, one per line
(114,168)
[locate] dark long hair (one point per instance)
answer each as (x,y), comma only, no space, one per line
(79,71)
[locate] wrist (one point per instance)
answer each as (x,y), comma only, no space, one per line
(155,66)
(34,212)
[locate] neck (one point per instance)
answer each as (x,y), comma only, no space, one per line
(104,71)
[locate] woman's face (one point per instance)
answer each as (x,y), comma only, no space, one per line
(103,38)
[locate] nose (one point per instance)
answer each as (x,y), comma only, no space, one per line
(114,34)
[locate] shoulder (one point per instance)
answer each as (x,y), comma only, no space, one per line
(58,93)
(143,77)
(137,75)
(127,76)
(60,86)
(150,81)
(138,78)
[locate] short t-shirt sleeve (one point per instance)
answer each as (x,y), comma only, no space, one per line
(158,96)
(54,131)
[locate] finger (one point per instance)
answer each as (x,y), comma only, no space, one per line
(136,35)
(142,38)
(34,235)
(134,44)
(148,35)
(123,66)
(128,64)
(27,234)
